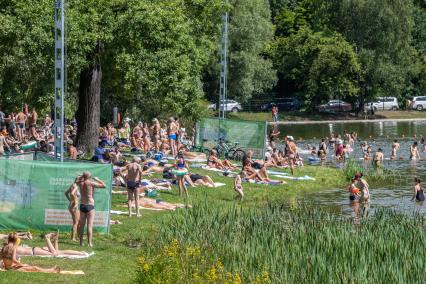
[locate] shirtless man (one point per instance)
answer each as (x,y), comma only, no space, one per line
(378,157)
(87,205)
(20,124)
(134,175)
(32,120)
(172,130)
(395,148)
(291,152)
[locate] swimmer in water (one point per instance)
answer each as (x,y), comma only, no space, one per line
(367,154)
(418,191)
(378,158)
(354,192)
(364,187)
(395,148)
(414,152)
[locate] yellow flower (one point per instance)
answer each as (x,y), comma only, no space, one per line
(146,267)
(237,279)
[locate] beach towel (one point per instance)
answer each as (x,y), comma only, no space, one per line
(67,272)
(262,182)
(87,255)
(294,178)
(276,173)
(219,184)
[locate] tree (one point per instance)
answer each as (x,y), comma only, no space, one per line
(321,66)
(380,31)
(146,54)
(250,32)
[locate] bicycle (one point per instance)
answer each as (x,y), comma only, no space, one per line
(231,152)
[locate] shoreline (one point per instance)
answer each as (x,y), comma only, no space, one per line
(346,121)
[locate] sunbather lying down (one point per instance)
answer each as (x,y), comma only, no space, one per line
(50,250)
(21,235)
(158,204)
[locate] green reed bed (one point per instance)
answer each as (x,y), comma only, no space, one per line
(305,245)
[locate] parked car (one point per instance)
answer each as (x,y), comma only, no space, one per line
(335,106)
(230,105)
(286,104)
(418,103)
(386,103)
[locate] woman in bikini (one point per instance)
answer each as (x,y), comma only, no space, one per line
(52,249)
(214,162)
(155,131)
(146,138)
(180,170)
(73,196)
(10,257)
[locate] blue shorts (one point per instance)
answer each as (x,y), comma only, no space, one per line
(173,136)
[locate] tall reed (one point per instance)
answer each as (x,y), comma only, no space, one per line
(305,244)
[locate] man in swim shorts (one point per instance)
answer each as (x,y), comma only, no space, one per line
(134,175)
(87,205)
(20,122)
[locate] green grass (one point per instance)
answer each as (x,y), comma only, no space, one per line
(116,255)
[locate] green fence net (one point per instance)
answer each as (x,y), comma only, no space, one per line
(32,194)
(251,135)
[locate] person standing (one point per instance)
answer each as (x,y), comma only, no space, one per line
(274,113)
(73,197)
(418,191)
(134,175)
(21,118)
(87,206)
(32,121)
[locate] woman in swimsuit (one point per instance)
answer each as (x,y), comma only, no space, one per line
(10,257)
(214,162)
(146,138)
(418,191)
(73,196)
(180,171)
(155,130)
(197,179)
(291,151)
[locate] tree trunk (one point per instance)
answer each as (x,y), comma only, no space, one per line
(89,99)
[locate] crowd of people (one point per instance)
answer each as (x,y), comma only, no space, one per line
(139,150)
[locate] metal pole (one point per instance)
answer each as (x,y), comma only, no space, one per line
(59,78)
(223,67)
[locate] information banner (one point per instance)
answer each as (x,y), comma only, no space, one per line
(32,194)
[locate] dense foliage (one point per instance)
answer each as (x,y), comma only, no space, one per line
(160,58)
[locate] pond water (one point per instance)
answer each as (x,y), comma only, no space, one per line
(394,195)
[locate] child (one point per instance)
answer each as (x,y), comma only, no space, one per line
(238,186)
